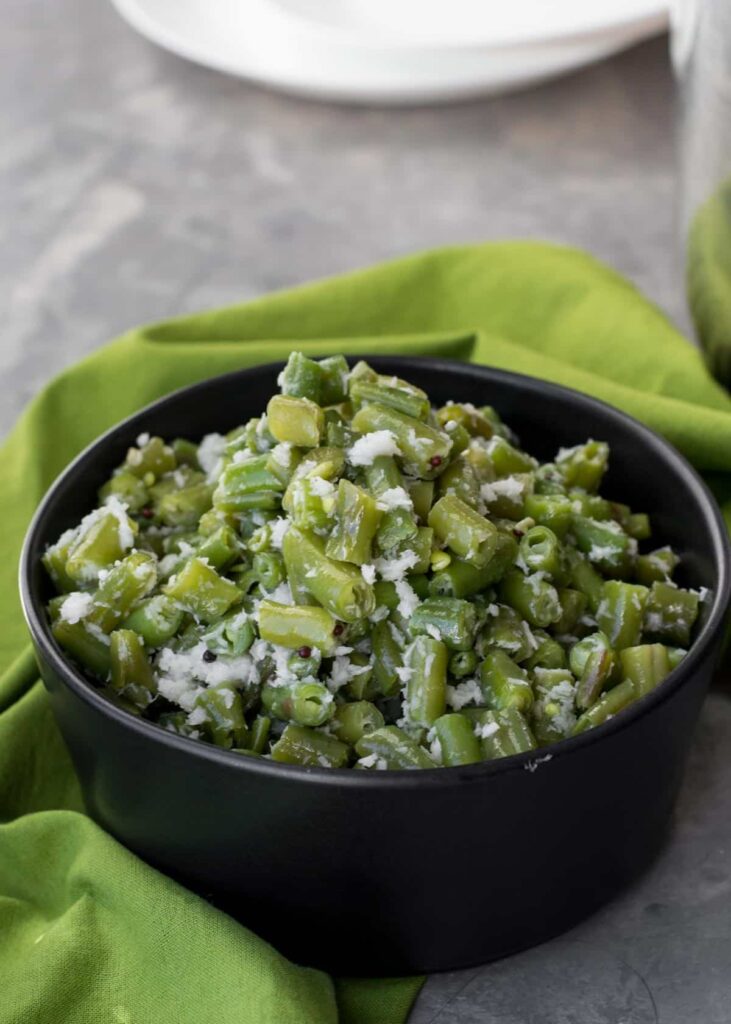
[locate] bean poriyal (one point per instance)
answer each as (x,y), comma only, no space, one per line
(356,578)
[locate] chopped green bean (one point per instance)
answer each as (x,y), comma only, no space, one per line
(360,579)
(303,746)
(457,741)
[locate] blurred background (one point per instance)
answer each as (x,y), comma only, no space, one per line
(136,185)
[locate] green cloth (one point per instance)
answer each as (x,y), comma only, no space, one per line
(88,933)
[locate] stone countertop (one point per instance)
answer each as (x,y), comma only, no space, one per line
(136,186)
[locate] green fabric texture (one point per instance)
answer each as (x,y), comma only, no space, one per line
(88,933)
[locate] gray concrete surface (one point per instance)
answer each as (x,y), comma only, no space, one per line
(135,186)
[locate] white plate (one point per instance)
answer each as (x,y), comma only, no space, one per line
(381,51)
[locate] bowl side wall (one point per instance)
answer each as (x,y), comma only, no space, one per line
(364,881)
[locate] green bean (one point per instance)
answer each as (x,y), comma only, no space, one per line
(457,741)
(466,416)
(420,546)
(613,701)
(476,454)
(585,465)
(353,721)
(305,667)
(573,607)
(552,715)
(391,392)
(581,651)
(426,687)
(598,669)
(356,521)
(133,709)
(88,646)
(311,503)
(219,549)
(172,721)
(448,619)
(459,479)
(390,747)
(387,659)
(54,560)
(534,597)
(282,462)
(548,653)
(294,626)
(459,436)
(337,430)
(245,485)
(153,457)
(462,664)
(506,630)
(424,450)
(540,551)
(463,530)
(675,656)
(459,579)
(656,567)
(604,543)
(592,506)
(302,378)
(362,685)
(553,511)
(584,577)
(128,488)
(259,734)
(212,521)
(637,525)
(671,613)
(295,421)
(123,586)
(506,497)
(268,569)
(621,611)
(339,587)
(397,524)
(422,496)
(185,452)
(184,507)
(334,380)
(303,746)
(103,538)
(548,481)
(645,665)
(362,371)
(233,635)
(201,591)
(504,683)
(221,713)
(131,672)
(325,462)
(506,459)
(503,733)
(304,703)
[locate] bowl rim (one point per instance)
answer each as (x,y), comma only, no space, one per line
(74,679)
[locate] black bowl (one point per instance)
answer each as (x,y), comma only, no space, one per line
(398,872)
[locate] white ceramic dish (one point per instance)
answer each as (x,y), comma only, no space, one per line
(394,51)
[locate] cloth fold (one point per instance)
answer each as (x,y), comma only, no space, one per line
(89,933)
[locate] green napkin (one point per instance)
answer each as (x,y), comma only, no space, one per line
(88,933)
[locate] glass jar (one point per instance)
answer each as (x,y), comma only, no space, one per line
(701,48)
